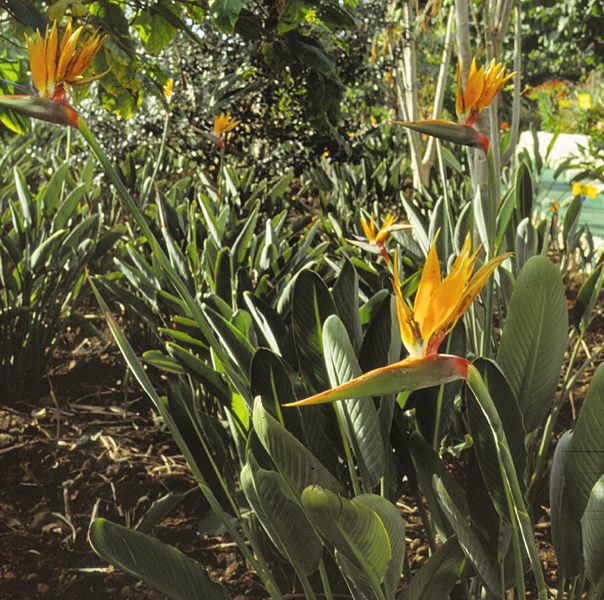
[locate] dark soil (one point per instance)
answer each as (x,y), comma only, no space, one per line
(86,448)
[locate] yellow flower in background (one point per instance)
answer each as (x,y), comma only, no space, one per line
(440,302)
(55,66)
(311,16)
(223,124)
(481,88)
(169,89)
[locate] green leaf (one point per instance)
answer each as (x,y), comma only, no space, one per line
(523,192)
(293,460)
(52,193)
(225,14)
(282,516)
(157,359)
(346,296)
(353,529)
(585,456)
(154,31)
(534,339)
(438,574)
(160,565)
(484,446)
(199,370)
(468,540)
(311,305)
(395,528)
(571,220)
(566,529)
(360,416)
(592,527)
(587,297)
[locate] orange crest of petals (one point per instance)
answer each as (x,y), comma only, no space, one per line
(482,86)
(440,301)
(56,66)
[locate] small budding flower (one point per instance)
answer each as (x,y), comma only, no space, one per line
(223,124)
(377,238)
(169,89)
(481,88)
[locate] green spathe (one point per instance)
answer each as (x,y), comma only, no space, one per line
(450,132)
(41,108)
(407,375)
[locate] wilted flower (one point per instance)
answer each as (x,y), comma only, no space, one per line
(223,124)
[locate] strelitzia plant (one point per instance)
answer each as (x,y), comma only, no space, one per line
(56,66)
(482,86)
(375,239)
(439,304)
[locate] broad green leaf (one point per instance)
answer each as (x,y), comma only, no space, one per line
(468,540)
(438,574)
(241,245)
(199,370)
(534,339)
(160,509)
(223,276)
(566,529)
(585,456)
(360,416)
(395,528)
(311,305)
(281,515)
(68,207)
(511,419)
(571,220)
(160,565)
(346,296)
(592,527)
(269,325)
(352,528)
(294,461)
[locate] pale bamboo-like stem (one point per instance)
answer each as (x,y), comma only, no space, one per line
(407,91)
(439,95)
(510,150)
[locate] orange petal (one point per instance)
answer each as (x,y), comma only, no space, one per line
(37,63)
(429,282)
(51,55)
(474,86)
